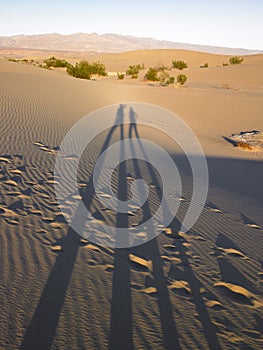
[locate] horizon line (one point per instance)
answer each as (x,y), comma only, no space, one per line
(134,36)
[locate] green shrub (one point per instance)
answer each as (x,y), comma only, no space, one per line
(98,68)
(204,65)
(179,65)
(84,69)
(170,80)
(134,70)
(54,62)
(236,60)
(181,79)
(120,75)
(152,74)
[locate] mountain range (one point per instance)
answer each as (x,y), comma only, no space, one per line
(114,43)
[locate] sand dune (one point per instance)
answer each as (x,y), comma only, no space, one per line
(196,290)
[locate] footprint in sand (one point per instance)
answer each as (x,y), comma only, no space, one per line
(212,207)
(239,294)
(249,223)
(180,286)
(45,148)
(254,226)
(4,160)
(7,212)
(140,264)
(214,304)
(151,291)
(56,248)
(231,252)
(181,199)
(10,183)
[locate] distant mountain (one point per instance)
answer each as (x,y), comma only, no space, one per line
(107,43)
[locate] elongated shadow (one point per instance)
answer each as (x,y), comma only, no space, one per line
(151,249)
(120,336)
(43,325)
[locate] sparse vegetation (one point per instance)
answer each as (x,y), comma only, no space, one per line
(181,79)
(152,74)
(225,64)
(85,70)
(120,76)
(179,65)
(204,65)
(163,77)
(134,70)
(161,67)
(54,62)
(22,60)
(170,80)
(236,60)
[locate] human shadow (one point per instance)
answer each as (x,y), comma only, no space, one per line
(151,248)
(169,329)
(43,325)
(120,336)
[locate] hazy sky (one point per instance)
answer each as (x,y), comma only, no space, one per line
(233,23)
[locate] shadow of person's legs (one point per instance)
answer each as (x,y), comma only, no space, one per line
(43,325)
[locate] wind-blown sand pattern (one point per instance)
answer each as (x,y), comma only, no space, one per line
(197,290)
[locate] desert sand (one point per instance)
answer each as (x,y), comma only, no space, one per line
(196,290)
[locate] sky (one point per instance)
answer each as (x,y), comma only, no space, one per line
(233,23)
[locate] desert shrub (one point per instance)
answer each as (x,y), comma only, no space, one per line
(225,64)
(134,70)
(204,65)
(54,62)
(12,60)
(161,67)
(179,65)
(236,60)
(120,75)
(181,79)
(84,69)
(152,74)
(163,76)
(170,80)
(98,68)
